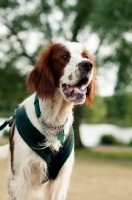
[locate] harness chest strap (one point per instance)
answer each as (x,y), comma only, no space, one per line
(33,138)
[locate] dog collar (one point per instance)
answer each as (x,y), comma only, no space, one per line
(49,136)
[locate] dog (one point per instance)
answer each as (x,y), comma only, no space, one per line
(64,76)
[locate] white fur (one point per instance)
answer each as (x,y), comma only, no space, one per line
(76,57)
(30,170)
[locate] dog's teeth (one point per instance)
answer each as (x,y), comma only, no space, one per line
(83,87)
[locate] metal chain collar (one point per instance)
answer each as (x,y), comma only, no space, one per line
(51,136)
(50,126)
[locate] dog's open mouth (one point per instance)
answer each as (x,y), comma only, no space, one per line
(78,89)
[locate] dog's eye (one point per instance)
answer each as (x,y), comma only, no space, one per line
(86,57)
(65,57)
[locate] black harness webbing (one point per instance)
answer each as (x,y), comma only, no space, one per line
(36,106)
(7,122)
(33,138)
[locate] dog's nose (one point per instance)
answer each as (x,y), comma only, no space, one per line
(86,65)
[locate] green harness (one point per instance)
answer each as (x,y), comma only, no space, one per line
(33,138)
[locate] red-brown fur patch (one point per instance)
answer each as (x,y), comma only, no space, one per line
(70,77)
(11,140)
(47,72)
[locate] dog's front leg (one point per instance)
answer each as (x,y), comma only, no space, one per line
(59,186)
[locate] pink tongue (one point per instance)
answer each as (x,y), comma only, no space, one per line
(80,90)
(75,89)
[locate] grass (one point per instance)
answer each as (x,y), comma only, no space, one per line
(120,153)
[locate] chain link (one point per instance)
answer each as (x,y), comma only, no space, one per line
(50,136)
(50,126)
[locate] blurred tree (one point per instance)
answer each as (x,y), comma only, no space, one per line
(95,115)
(26,27)
(119,110)
(124,76)
(110,20)
(12,90)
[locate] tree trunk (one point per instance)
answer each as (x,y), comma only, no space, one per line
(77,120)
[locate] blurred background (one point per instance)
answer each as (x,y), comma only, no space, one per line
(105,27)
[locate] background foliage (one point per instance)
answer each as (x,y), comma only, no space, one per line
(26,27)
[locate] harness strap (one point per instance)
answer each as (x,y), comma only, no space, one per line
(31,135)
(7,122)
(34,138)
(36,105)
(60,158)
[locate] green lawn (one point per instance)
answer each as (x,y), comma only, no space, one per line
(109,152)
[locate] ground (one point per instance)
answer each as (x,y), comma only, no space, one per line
(92,179)
(100,180)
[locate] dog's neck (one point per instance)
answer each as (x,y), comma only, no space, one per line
(56,111)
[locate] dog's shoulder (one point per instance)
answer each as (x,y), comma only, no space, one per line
(28,103)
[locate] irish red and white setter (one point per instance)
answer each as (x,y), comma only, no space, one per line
(63,77)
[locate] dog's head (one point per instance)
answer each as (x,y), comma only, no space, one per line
(66,67)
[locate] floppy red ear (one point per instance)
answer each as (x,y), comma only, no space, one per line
(92,86)
(41,79)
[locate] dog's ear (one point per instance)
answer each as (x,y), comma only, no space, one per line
(92,87)
(41,79)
